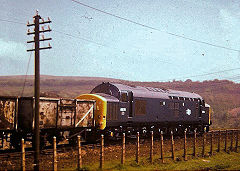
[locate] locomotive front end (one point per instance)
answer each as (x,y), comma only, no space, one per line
(209,113)
(100,109)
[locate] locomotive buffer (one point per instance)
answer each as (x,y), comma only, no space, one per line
(37,49)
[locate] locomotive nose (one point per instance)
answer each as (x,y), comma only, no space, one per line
(100,109)
(210,112)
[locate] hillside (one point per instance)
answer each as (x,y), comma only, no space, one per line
(222,95)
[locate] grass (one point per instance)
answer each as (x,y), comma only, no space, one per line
(219,161)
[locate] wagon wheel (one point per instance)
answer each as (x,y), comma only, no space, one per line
(49,137)
(43,141)
(74,134)
(15,140)
(73,140)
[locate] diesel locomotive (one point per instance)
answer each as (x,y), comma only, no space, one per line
(130,109)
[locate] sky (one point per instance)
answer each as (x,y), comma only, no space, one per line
(90,43)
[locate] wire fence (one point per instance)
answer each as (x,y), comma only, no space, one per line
(156,149)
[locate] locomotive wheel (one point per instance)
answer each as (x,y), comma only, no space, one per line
(207,129)
(92,137)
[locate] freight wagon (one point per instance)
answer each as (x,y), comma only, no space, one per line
(63,118)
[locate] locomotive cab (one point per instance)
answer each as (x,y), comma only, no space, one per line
(208,112)
(126,103)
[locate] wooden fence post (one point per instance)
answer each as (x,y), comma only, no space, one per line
(123,149)
(79,153)
(161,145)
(137,148)
(231,145)
(219,141)
(203,144)
(173,149)
(23,164)
(185,145)
(194,143)
(226,137)
(236,145)
(151,148)
(54,154)
(211,145)
(102,152)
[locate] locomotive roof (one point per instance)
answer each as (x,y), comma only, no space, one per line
(114,89)
(108,97)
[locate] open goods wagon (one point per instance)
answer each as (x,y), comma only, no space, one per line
(63,118)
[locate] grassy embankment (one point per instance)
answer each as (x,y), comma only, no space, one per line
(219,161)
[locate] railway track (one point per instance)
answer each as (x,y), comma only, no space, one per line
(48,150)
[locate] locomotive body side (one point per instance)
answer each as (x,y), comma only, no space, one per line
(142,109)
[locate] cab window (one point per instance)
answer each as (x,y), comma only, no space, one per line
(124,97)
(162,103)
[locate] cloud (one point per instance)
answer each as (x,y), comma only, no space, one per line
(229,22)
(11,67)
(13,58)
(13,50)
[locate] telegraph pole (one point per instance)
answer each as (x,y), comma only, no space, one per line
(37,49)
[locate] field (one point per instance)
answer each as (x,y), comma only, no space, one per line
(216,162)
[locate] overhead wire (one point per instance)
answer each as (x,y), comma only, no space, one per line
(103,45)
(67,34)
(232,77)
(206,74)
(10,21)
(87,40)
(219,84)
(210,84)
(28,64)
(78,37)
(153,28)
(25,79)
